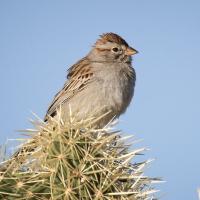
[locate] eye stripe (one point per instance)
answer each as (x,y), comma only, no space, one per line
(99,49)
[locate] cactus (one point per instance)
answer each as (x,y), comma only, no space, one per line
(75,161)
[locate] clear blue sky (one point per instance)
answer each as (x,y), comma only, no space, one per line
(39,40)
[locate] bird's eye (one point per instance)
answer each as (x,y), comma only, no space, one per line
(115,49)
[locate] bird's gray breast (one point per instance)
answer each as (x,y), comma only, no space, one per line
(117,83)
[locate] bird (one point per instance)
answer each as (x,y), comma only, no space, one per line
(100,83)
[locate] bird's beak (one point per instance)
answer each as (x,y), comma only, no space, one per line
(130,51)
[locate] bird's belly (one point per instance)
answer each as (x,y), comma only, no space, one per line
(90,103)
(108,102)
(118,96)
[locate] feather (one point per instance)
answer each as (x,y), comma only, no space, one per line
(79,76)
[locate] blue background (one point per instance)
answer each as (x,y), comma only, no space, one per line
(39,40)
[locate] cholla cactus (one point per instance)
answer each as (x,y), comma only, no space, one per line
(74,161)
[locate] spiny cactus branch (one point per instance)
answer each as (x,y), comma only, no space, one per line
(74,160)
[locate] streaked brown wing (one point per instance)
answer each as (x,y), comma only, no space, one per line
(79,76)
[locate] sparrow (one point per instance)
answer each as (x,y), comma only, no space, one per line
(100,84)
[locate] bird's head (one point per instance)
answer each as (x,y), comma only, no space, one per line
(110,47)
